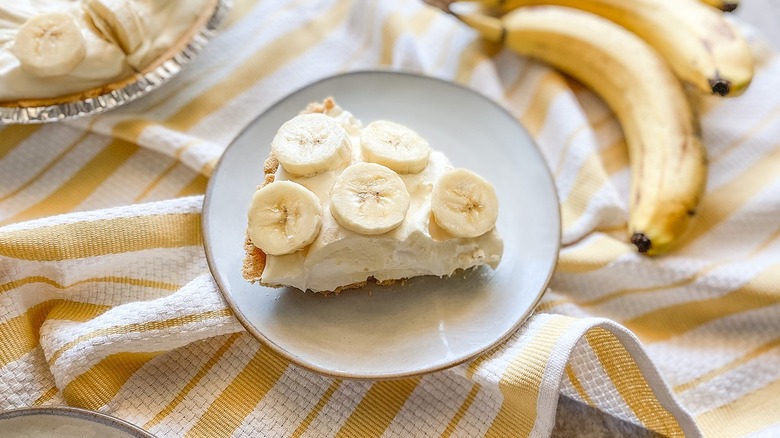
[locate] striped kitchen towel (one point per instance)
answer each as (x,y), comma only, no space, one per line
(106,302)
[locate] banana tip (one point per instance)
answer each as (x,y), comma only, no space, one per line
(720,86)
(728,7)
(641,241)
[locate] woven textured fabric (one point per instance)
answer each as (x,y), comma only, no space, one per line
(106,301)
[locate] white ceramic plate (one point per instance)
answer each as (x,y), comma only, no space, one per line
(429,323)
(64,422)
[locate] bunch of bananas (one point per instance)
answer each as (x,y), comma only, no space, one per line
(638,55)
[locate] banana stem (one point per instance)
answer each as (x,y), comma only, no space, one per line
(490,27)
(725,6)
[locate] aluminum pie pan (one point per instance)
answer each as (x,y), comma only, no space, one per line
(125,90)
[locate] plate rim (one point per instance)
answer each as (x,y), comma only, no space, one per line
(83,414)
(255,333)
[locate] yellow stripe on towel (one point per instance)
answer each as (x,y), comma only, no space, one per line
(631,384)
(378,407)
(102,237)
(241,396)
(102,382)
(521,381)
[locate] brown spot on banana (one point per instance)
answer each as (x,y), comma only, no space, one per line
(729,7)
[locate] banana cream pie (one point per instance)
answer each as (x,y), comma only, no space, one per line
(342,205)
(58,51)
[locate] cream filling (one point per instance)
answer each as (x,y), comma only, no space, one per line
(339,257)
(164,21)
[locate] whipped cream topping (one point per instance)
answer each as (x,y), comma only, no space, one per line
(339,257)
(164,23)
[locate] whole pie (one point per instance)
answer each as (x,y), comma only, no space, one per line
(59,51)
(342,205)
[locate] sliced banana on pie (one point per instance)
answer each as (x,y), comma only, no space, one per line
(394,146)
(284,217)
(49,45)
(464,204)
(118,21)
(310,144)
(394,211)
(369,198)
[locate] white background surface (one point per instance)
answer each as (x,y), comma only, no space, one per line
(764,14)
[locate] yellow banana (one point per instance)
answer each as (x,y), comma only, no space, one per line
(701,46)
(506,5)
(667,157)
(723,5)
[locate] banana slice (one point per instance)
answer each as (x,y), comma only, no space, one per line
(119,22)
(49,45)
(310,144)
(394,146)
(369,198)
(284,217)
(464,204)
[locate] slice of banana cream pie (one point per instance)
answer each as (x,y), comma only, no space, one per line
(342,205)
